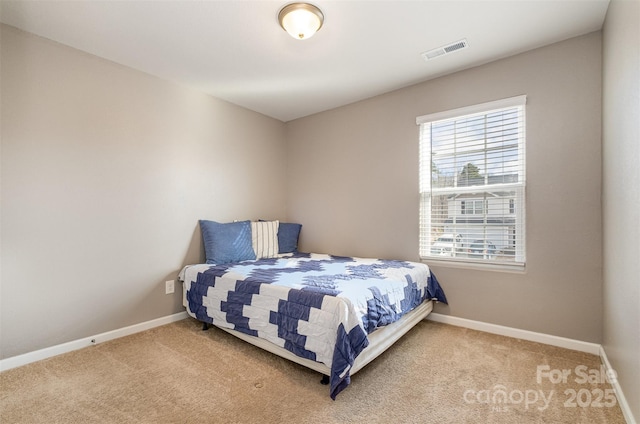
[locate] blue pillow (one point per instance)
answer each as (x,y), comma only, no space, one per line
(224,243)
(288,237)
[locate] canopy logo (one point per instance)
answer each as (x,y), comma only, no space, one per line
(501,399)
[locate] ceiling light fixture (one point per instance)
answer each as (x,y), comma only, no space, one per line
(301,20)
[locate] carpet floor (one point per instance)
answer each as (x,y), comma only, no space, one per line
(437,373)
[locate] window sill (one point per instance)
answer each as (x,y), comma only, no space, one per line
(482,266)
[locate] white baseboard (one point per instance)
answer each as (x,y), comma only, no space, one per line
(38,355)
(593,348)
(622,401)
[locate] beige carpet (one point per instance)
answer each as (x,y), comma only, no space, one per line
(179,374)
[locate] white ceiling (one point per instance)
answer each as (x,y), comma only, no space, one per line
(235,49)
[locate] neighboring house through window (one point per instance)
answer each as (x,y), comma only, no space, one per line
(472,183)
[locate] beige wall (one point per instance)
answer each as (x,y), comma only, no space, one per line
(105,173)
(353,183)
(621,194)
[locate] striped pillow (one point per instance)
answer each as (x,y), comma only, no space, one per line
(264,238)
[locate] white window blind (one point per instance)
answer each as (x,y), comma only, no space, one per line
(472,183)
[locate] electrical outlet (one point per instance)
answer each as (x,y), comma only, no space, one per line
(169,287)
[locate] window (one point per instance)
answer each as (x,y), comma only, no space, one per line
(472,183)
(473,206)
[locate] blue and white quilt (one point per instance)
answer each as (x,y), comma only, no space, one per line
(317,306)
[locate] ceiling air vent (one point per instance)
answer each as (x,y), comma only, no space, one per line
(449,48)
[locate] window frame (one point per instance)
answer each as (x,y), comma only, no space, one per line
(515,207)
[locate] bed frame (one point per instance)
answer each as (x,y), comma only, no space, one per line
(379,341)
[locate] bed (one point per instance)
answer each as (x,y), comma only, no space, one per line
(333,314)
